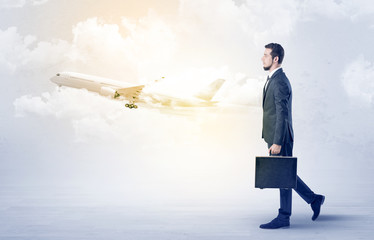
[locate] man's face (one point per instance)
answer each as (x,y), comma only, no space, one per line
(267,60)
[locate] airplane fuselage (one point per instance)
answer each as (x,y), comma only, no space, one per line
(104,86)
(135,93)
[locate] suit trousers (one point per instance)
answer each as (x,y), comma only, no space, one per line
(286,194)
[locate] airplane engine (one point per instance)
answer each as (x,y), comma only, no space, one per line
(107,91)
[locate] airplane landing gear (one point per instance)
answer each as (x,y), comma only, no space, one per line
(131,105)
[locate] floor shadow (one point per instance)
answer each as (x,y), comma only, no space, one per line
(328,220)
(337,217)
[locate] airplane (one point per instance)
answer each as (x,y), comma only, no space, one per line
(135,93)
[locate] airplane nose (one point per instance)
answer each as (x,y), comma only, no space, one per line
(55,79)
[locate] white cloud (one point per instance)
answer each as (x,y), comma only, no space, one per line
(141,150)
(95,117)
(329,8)
(19,52)
(151,40)
(98,48)
(7,4)
(202,35)
(336,9)
(358,81)
(87,117)
(244,91)
(27,103)
(145,52)
(39,2)
(228,23)
(12,3)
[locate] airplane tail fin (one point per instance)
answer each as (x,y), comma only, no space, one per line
(208,93)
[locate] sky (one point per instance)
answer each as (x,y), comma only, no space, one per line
(58,137)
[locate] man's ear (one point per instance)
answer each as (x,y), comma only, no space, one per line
(276,59)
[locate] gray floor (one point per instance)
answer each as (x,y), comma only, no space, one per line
(172,178)
(61,213)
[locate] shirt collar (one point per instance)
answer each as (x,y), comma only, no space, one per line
(272,72)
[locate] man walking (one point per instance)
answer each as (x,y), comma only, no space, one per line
(277,132)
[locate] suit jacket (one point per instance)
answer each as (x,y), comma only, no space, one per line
(277,110)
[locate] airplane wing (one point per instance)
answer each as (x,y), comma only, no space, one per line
(130,93)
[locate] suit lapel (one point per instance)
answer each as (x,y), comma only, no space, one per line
(264,90)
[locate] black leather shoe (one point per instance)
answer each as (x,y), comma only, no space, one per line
(276,223)
(316,206)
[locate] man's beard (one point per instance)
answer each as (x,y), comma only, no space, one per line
(267,68)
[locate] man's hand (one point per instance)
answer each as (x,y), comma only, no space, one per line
(275,149)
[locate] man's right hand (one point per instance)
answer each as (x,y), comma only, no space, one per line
(275,149)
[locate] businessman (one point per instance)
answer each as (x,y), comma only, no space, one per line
(278,133)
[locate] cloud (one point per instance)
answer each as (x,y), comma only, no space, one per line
(89,118)
(20,53)
(358,82)
(229,24)
(39,2)
(151,47)
(98,48)
(145,51)
(152,42)
(93,142)
(12,3)
(8,4)
(28,104)
(336,9)
(91,115)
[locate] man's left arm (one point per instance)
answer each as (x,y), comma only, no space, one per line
(282,94)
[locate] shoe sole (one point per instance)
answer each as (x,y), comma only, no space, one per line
(285,227)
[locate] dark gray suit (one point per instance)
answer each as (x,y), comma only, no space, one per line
(277,106)
(277,129)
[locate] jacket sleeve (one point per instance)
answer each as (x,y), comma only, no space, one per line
(282,94)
